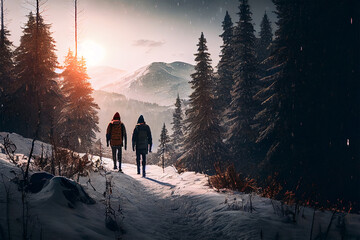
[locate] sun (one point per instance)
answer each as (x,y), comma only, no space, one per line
(93,52)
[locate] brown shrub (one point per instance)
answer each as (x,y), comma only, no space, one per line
(179,167)
(70,163)
(65,163)
(228,178)
(272,187)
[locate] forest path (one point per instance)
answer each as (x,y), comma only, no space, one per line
(151,210)
(153,207)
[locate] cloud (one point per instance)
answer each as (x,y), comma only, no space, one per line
(148,43)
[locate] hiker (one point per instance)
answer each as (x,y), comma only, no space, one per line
(116,135)
(142,141)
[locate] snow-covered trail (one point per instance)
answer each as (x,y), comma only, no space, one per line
(172,206)
(151,206)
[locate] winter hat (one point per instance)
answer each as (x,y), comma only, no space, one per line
(141,119)
(116,116)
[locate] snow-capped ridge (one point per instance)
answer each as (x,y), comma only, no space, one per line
(157,82)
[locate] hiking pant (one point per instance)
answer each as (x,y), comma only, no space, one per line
(119,154)
(138,162)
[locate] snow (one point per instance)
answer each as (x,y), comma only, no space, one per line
(23,145)
(164,205)
(157,82)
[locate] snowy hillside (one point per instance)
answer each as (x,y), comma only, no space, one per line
(162,206)
(157,82)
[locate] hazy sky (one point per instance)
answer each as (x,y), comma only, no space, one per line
(128,34)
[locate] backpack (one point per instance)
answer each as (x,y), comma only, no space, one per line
(142,138)
(116,134)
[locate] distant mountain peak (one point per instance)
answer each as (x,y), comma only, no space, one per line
(157,82)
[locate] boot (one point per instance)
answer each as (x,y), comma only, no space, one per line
(138,169)
(120,170)
(115,167)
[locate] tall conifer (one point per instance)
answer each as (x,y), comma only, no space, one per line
(79,117)
(266,36)
(6,73)
(177,137)
(264,48)
(37,91)
(225,67)
(243,108)
(203,143)
(313,116)
(165,148)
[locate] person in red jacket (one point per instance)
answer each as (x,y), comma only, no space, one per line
(116,135)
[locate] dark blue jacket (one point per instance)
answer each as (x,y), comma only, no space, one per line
(141,138)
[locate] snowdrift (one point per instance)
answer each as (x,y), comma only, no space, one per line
(58,190)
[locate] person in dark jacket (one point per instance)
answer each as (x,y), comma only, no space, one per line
(142,141)
(116,135)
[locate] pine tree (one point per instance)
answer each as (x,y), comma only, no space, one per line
(203,144)
(265,40)
(164,150)
(37,94)
(314,114)
(225,67)
(287,96)
(6,73)
(243,108)
(264,47)
(79,117)
(177,137)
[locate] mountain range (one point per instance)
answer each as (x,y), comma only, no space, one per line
(157,82)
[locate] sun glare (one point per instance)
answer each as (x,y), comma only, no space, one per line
(93,52)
